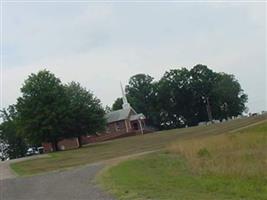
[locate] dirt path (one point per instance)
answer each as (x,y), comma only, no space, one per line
(5,171)
(248,126)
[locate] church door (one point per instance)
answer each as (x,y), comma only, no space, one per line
(135,126)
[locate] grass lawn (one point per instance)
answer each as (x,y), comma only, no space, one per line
(225,166)
(124,147)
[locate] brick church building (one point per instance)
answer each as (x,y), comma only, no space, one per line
(126,119)
(120,123)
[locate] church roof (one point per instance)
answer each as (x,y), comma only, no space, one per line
(137,117)
(118,115)
(123,114)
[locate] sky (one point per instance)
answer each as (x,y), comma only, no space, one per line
(101,44)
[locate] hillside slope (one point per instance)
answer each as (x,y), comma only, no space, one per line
(125,146)
(226,166)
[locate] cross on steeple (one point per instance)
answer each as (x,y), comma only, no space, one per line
(125,104)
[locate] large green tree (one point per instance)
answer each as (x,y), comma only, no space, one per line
(185,97)
(42,109)
(202,81)
(141,93)
(85,113)
(176,99)
(15,145)
(229,98)
(49,111)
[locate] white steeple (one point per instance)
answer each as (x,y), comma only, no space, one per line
(125,104)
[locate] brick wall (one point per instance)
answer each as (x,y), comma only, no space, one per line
(48,147)
(118,126)
(72,143)
(66,144)
(104,137)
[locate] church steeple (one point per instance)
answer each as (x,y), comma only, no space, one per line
(125,104)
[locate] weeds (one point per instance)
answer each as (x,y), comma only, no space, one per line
(241,154)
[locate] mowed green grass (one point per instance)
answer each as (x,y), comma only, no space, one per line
(226,166)
(123,147)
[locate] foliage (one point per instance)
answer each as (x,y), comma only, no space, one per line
(230,98)
(117,105)
(15,145)
(42,108)
(176,99)
(49,110)
(185,97)
(202,83)
(141,93)
(84,112)
(107,109)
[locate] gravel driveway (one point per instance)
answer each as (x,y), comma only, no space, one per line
(75,184)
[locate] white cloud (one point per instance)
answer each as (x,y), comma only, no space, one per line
(99,46)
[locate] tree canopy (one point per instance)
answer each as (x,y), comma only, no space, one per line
(117,105)
(141,94)
(84,112)
(13,144)
(42,108)
(49,110)
(185,97)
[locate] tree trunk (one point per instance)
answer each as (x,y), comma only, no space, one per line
(208,107)
(79,141)
(55,145)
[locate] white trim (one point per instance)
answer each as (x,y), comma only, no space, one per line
(125,122)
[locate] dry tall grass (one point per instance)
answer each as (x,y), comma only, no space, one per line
(240,154)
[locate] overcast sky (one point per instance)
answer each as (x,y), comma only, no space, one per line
(100,44)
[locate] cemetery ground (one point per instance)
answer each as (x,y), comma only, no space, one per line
(226,166)
(125,146)
(188,163)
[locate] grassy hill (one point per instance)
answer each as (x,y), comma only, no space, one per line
(226,166)
(125,146)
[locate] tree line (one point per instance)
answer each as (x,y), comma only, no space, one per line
(185,97)
(49,110)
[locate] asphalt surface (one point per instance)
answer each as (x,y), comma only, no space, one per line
(74,184)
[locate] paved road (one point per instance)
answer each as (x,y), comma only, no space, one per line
(75,184)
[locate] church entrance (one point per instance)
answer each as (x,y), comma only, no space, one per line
(135,126)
